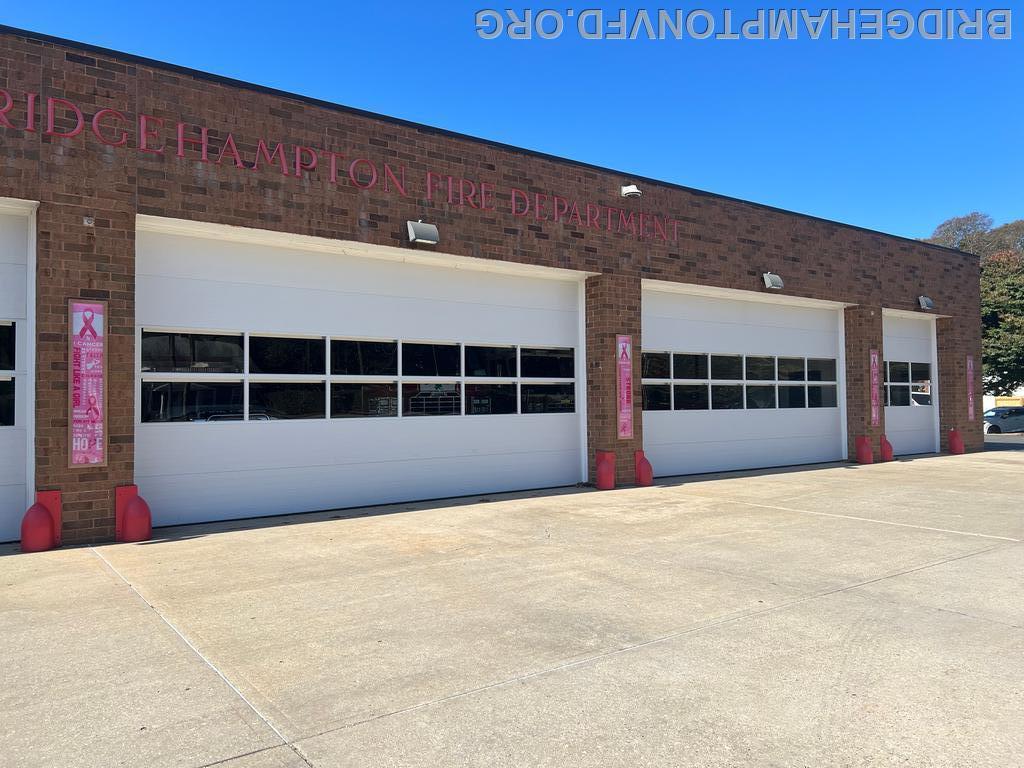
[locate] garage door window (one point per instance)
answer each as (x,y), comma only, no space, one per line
(172,352)
(197,376)
(192,401)
(907,383)
(701,382)
(7,363)
(364,358)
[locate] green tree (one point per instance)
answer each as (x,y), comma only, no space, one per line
(1002,318)
(1001,250)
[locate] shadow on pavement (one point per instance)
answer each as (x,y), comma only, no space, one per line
(1014,442)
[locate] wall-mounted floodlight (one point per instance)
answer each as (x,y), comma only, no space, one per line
(925,302)
(773,281)
(423,233)
(631,190)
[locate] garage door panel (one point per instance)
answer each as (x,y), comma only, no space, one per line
(288,490)
(911,429)
(192,448)
(265,308)
(691,441)
(193,471)
(683,442)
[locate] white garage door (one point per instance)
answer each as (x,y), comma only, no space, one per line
(737,384)
(15,356)
(911,388)
(277,379)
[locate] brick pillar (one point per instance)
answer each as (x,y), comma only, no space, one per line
(955,340)
(97,262)
(863,330)
(613,308)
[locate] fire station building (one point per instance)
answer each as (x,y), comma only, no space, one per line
(251,303)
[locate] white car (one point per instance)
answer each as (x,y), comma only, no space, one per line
(1004,419)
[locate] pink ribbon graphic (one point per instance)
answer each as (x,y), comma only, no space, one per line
(87,317)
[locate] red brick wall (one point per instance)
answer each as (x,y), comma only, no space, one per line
(722,242)
(613,308)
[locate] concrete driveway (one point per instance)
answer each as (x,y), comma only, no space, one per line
(826,616)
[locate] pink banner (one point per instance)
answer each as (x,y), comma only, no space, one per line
(970,387)
(876,388)
(624,362)
(88,374)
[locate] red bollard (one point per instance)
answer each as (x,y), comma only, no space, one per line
(885,447)
(605,470)
(644,470)
(864,455)
(956,442)
(41,526)
(133,520)
(37,534)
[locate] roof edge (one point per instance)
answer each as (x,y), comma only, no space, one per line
(334,106)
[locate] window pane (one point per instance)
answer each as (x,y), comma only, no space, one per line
(726,395)
(353,399)
(726,367)
(7,344)
(899,372)
(271,400)
(885,371)
(268,354)
(920,373)
(547,363)
(364,358)
(490,398)
(657,397)
(760,397)
(431,399)
(899,396)
(491,361)
(655,365)
(821,397)
(921,395)
(430,359)
(191,352)
(691,397)
(549,398)
(191,401)
(690,366)
(761,368)
(791,369)
(821,370)
(792,397)
(7,403)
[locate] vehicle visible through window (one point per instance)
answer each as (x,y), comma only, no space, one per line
(351,399)
(490,398)
(442,399)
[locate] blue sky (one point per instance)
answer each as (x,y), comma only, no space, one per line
(891,135)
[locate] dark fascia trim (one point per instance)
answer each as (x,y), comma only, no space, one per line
(242,84)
